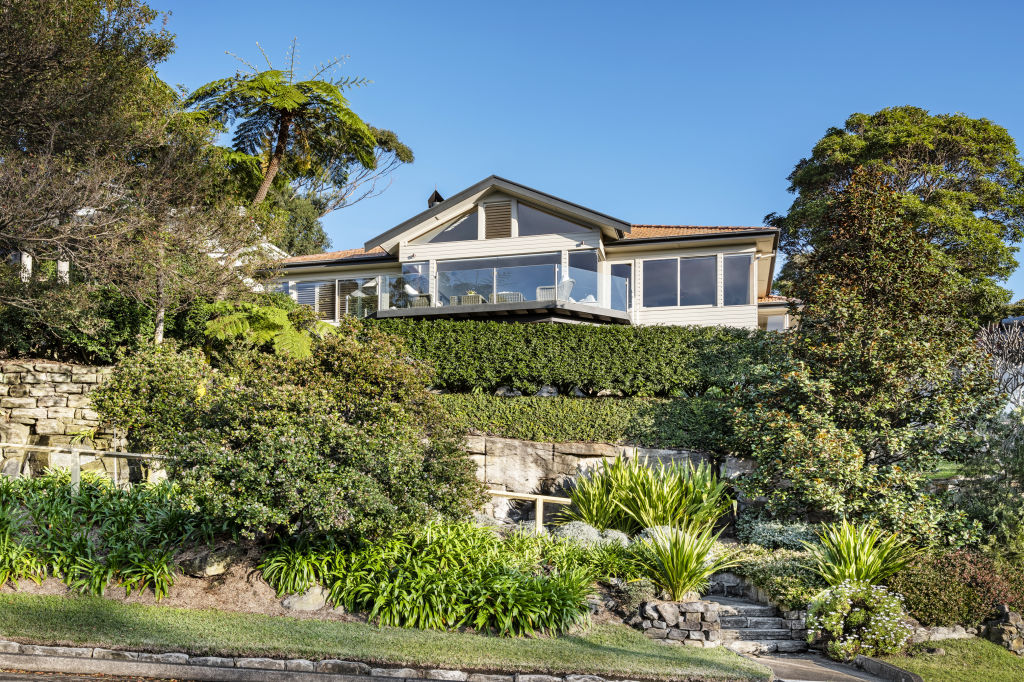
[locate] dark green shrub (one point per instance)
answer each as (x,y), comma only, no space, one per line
(336,442)
(958,588)
(472,355)
(696,423)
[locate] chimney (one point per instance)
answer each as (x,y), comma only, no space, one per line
(435,198)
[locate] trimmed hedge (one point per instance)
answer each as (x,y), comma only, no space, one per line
(695,423)
(472,355)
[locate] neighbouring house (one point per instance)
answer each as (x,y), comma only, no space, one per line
(501,250)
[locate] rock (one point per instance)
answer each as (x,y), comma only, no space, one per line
(313,599)
(394,672)
(298,665)
(333,665)
(456,675)
(537,678)
(212,661)
(114,655)
(259,663)
(546,391)
(178,658)
(669,613)
(58,651)
(692,605)
(485,677)
(209,563)
(649,610)
(9,647)
(506,392)
(583,678)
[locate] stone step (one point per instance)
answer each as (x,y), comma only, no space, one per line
(768,646)
(737,622)
(728,606)
(755,634)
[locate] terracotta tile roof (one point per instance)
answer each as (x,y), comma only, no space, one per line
(773,298)
(334,255)
(660,231)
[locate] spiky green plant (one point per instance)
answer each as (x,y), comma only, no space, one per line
(859,553)
(631,494)
(679,561)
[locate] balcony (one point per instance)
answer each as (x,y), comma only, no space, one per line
(529,287)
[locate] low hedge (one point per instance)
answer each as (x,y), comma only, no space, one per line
(785,575)
(697,423)
(634,361)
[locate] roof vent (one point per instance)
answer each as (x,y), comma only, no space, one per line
(434,199)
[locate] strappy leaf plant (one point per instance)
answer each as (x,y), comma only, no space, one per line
(861,553)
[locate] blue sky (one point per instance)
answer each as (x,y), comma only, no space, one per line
(653,112)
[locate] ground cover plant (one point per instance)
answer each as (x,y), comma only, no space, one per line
(605,650)
(786,576)
(97,536)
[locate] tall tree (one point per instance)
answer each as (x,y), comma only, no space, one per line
(278,116)
(959,181)
(99,167)
(886,373)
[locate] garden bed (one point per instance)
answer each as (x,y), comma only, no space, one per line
(607,650)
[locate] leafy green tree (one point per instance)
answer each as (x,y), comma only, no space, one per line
(280,116)
(299,231)
(959,181)
(886,374)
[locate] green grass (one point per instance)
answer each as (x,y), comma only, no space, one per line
(610,650)
(944,470)
(965,659)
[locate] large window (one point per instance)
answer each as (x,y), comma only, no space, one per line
(698,281)
(358,296)
(737,280)
(320,296)
(672,282)
(533,222)
(506,279)
(411,289)
(661,283)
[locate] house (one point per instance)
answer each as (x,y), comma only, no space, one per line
(501,250)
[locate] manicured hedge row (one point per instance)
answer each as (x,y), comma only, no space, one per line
(695,423)
(636,361)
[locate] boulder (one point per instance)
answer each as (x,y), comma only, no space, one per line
(313,599)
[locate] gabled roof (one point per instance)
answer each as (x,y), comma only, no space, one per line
(612,227)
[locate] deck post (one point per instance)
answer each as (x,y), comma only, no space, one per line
(76,470)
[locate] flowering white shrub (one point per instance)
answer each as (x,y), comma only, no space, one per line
(857,618)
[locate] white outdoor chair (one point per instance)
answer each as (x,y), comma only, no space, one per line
(559,292)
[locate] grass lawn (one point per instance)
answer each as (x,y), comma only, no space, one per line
(604,650)
(965,659)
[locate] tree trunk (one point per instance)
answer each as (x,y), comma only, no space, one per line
(161,303)
(275,158)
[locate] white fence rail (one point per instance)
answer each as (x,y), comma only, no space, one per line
(75,455)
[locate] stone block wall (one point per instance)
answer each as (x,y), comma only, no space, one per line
(694,623)
(524,466)
(47,403)
(1007,630)
(729,584)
